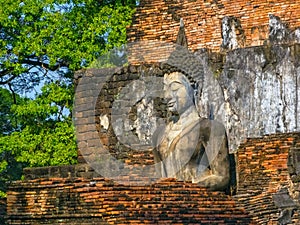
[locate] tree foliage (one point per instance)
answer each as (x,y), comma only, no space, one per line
(44,42)
(7,119)
(41,132)
(9,168)
(38,36)
(45,134)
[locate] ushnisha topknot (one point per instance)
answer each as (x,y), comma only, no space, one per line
(186,62)
(172,69)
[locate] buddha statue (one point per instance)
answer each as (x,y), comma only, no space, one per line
(190,148)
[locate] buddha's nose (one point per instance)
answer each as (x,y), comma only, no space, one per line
(167,95)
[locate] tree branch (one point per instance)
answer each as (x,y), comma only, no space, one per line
(5,72)
(33,63)
(44,65)
(13,93)
(7,80)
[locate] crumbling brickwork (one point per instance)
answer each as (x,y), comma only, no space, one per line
(263,170)
(240,89)
(159,20)
(100,201)
(96,101)
(218,26)
(95,97)
(77,195)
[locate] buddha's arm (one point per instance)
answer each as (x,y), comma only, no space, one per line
(218,177)
(157,136)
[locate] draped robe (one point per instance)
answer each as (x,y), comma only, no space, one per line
(196,151)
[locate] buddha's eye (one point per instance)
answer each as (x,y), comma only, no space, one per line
(175,86)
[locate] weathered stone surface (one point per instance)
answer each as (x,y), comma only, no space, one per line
(232,33)
(255,92)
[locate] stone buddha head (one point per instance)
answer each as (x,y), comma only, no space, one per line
(178,92)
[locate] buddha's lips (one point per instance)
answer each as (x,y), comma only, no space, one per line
(171,104)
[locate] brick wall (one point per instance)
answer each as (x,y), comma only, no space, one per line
(159,20)
(94,98)
(58,194)
(77,195)
(263,169)
(100,201)
(81,170)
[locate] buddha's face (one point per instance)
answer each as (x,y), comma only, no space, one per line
(177,92)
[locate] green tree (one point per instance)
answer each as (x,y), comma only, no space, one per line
(7,120)
(45,41)
(45,135)
(41,134)
(38,36)
(10,169)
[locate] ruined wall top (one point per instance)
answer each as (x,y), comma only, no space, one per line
(203,19)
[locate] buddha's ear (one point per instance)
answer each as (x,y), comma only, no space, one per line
(199,88)
(197,94)
(195,88)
